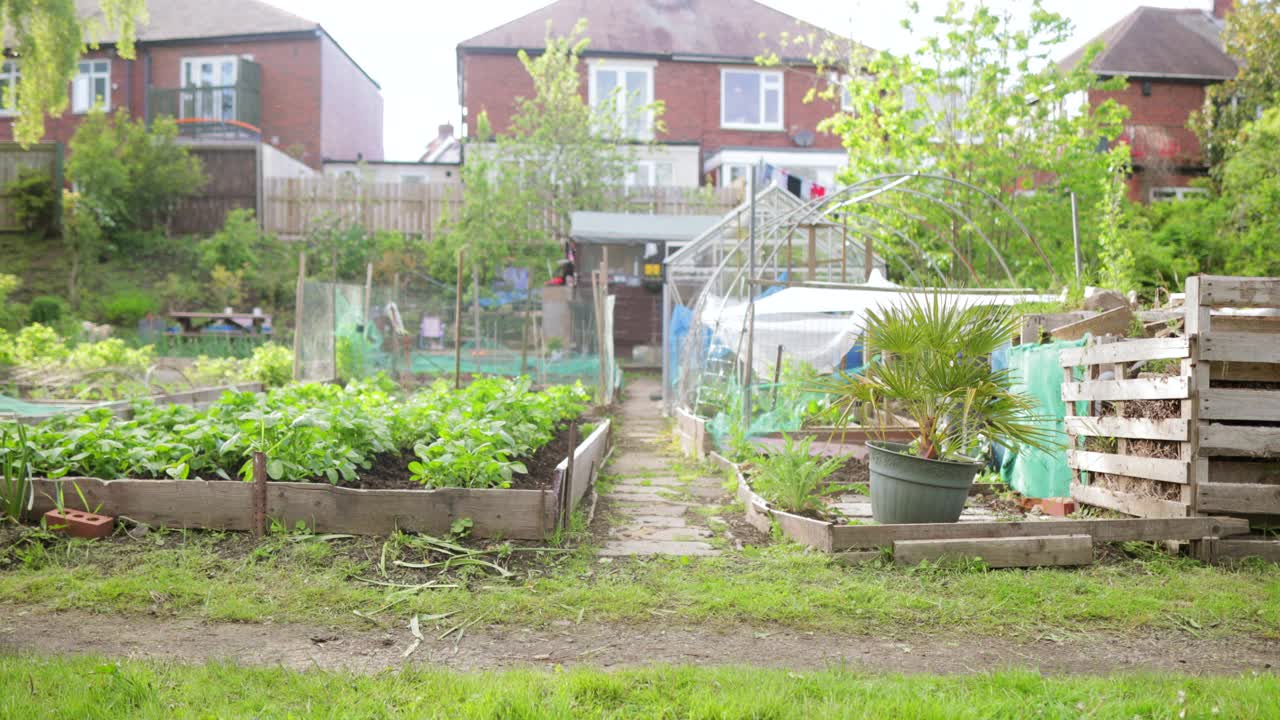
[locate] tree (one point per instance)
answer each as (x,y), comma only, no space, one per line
(132,174)
(1251,189)
(48,38)
(978,102)
(559,155)
(1252,37)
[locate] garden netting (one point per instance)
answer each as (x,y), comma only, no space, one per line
(550,334)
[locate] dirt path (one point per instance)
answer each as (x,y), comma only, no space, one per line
(650,510)
(615,646)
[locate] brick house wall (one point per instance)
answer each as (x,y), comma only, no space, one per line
(314,100)
(1166,153)
(690,90)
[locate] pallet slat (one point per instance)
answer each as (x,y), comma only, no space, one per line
(1172,471)
(1171,388)
(1238,498)
(1234,404)
(1238,440)
(1242,292)
(1241,548)
(848,537)
(1037,551)
(1126,351)
(1115,321)
(1240,346)
(1137,428)
(1130,504)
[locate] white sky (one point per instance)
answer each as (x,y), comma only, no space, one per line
(408,46)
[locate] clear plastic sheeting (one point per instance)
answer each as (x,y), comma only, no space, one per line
(408,327)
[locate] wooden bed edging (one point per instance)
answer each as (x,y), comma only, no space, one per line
(324,508)
(832,538)
(691,432)
(588,458)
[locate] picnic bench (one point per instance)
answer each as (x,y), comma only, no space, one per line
(203,324)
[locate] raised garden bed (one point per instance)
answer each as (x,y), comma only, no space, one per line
(999,542)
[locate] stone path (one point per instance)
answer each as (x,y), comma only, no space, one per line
(655,504)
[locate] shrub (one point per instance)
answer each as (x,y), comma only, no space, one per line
(48,310)
(33,200)
(6,348)
(10,318)
(126,308)
(271,365)
(38,344)
(109,353)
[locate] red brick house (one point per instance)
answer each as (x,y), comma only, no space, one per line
(723,111)
(1169,57)
(244,65)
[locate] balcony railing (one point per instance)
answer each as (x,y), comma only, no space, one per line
(230,105)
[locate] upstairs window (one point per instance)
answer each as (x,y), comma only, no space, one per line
(92,86)
(751,100)
(9,87)
(624,91)
(1168,194)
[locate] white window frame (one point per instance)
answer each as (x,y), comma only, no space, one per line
(648,169)
(1177,192)
(762,125)
(89,77)
(13,74)
(596,65)
(217,61)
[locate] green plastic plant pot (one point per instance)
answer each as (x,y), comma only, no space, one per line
(910,489)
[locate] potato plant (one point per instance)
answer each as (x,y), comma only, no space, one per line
(468,438)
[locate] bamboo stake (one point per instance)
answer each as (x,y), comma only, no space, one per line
(457,327)
(298,299)
(259,493)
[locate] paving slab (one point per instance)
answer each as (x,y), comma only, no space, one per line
(664,507)
(682,534)
(619,548)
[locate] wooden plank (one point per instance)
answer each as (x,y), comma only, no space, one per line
(1234,549)
(806,531)
(1116,321)
(1166,388)
(1172,471)
(846,537)
(1243,471)
(754,507)
(1252,324)
(227,505)
(1239,346)
(1175,429)
(588,457)
(1234,404)
(1127,351)
(1238,498)
(1242,292)
(1244,371)
(1130,504)
(1034,323)
(1043,550)
(1239,440)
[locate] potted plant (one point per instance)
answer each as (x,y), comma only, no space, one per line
(933,366)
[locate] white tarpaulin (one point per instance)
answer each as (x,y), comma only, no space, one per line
(819,326)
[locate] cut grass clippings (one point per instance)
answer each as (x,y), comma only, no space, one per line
(92,689)
(195,575)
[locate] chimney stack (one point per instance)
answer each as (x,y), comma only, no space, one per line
(1222,7)
(446,130)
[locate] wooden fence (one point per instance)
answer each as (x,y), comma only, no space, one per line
(232,176)
(292,206)
(1204,439)
(14,157)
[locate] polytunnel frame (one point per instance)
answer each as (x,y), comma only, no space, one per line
(819,212)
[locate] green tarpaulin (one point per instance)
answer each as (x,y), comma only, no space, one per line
(1037,372)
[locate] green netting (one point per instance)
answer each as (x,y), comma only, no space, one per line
(22,408)
(1037,371)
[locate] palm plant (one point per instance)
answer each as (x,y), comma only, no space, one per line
(934,367)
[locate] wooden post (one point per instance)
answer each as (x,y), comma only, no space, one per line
(598,304)
(298,298)
(566,485)
(524,337)
(457,326)
(869,257)
(844,252)
(368,296)
(259,493)
(777,375)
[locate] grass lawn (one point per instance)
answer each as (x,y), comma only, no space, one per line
(222,577)
(88,688)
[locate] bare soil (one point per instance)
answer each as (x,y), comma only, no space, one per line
(302,647)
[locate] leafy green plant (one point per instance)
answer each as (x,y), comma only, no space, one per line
(48,310)
(793,479)
(934,367)
(126,308)
(34,200)
(17,493)
(271,365)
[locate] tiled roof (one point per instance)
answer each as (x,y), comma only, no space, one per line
(696,28)
(185,19)
(1161,43)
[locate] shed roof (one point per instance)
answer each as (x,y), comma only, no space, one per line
(1161,43)
(612,228)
